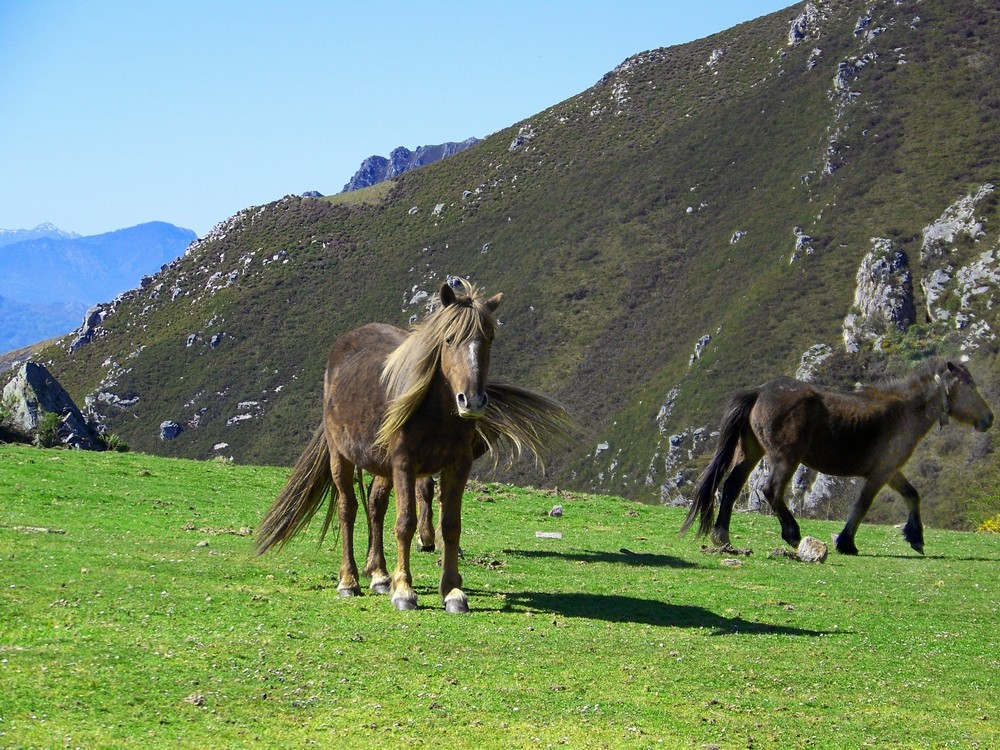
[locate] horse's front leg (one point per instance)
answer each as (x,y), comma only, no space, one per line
(452,487)
(913,532)
(844,541)
(425,513)
(347,511)
(375,567)
(403,595)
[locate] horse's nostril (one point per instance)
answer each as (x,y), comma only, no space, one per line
(462,401)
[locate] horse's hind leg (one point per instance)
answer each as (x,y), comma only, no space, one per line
(425,513)
(913,531)
(375,567)
(347,509)
(730,491)
(774,493)
(844,541)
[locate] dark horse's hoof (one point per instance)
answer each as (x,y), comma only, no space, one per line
(349,592)
(915,537)
(426,548)
(844,545)
(381,587)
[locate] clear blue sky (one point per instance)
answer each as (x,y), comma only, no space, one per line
(118,112)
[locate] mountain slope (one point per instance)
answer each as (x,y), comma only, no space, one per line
(690,225)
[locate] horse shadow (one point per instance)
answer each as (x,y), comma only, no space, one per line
(904,556)
(615,608)
(622,557)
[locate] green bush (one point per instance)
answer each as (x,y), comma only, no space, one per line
(47,435)
(115,442)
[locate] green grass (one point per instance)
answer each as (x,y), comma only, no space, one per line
(368,196)
(141,619)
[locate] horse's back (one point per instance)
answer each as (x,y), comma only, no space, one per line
(835,432)
(354,400)
(358,347)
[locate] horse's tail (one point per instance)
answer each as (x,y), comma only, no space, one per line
(740,406)
(301,497)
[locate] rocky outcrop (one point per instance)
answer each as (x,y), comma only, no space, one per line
(805,26)
(32,393)
(939,249)
(376,169)
(883,298)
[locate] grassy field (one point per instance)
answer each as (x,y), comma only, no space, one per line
(133,614)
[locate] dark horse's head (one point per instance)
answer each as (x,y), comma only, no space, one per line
(961,398)
(454,341)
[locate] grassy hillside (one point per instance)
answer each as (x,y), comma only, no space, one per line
(663,205)
(135,616)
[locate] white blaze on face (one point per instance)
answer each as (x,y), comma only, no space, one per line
(474,359)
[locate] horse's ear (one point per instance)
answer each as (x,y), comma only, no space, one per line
(447,295)
(960,372)
(494,302)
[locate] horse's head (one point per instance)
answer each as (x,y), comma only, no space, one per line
(962,399)
(467,337)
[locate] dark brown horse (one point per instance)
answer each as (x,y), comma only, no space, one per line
(869,433)
(403,406)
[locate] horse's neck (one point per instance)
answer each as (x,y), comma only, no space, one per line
(924,404)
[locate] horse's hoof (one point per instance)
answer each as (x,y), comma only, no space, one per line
(844,545)
(349,591)
(404,603)
(381,587)
(456,602)
(918,546)
(427,547)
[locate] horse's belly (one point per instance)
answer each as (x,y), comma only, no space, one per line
(839,460)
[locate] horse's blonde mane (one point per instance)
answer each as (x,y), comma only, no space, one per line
(519,420)
(410,368)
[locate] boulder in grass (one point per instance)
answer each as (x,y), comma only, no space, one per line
(812,549)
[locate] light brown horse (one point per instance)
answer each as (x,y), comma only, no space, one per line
(869,433)
(403,406)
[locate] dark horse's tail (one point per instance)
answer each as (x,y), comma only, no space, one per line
(301,497)
(733,423)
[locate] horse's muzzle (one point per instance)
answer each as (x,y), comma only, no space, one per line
(471,408)
(985,423)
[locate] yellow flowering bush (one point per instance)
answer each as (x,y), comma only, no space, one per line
(991,525)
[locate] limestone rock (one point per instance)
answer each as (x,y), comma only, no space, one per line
(883,297)
(170,430)
(812,549)
(34,392)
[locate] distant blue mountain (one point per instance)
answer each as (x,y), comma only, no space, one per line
(49,277)
(22,324)
(42,231)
